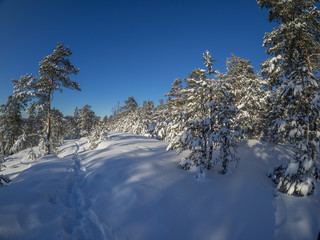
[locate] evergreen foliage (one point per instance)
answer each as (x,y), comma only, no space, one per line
(75,123)
(130,105)
(32,155)
(198,117)
(294,68)
(87,120)
(227,124)
(54,75)
(204,114)
(249,96)
(11,124)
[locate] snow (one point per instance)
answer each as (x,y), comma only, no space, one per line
(282,125)
(305,187)
(297,89)
(292,168)
(129,187)
(293,132)
(307,164)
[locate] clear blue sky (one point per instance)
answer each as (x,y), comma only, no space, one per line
(126,48)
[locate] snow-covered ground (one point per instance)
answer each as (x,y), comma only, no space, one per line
(131,188)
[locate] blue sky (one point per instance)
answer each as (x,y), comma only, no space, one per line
(126,48)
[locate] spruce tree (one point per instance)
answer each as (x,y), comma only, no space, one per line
(294,68)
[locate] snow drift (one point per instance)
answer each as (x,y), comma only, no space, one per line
(131,188)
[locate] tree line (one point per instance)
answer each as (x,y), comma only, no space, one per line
(212,110)
(45,125)
(208,110)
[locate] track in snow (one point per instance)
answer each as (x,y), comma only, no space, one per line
(79,221)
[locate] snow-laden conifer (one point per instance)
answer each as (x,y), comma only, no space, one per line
(249,96)
(197,129)
(176,112)
(227,130)
(87,120)
(32,155)
(294,67)
(11,124)
(54,75)
(160,121)
(75,123)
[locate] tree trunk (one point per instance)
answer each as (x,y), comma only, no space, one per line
(48,143)
(49,99)
(49,119)
(307,57)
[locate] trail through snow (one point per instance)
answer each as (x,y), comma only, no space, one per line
(131,188)
(79,221)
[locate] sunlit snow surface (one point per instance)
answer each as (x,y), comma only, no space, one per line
(131,188)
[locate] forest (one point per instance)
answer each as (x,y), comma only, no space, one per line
(206,111)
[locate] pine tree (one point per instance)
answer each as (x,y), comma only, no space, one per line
(54,75)
(146,115)
(225,114)
(294,67)
(176,115)
(34,128)
(130,105)
(211,119)
(54,72)
(196,125)
(97,133)
(249,96)
(174,96)
(11,123)
(105,120)
(58,125)
(87,120)
(32,155)
(160,121)
(75,123)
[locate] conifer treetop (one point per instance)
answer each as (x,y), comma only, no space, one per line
(56,68)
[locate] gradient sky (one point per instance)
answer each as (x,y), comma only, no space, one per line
(126,48)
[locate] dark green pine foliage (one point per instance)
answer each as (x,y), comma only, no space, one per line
(130,105)
(293,73)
